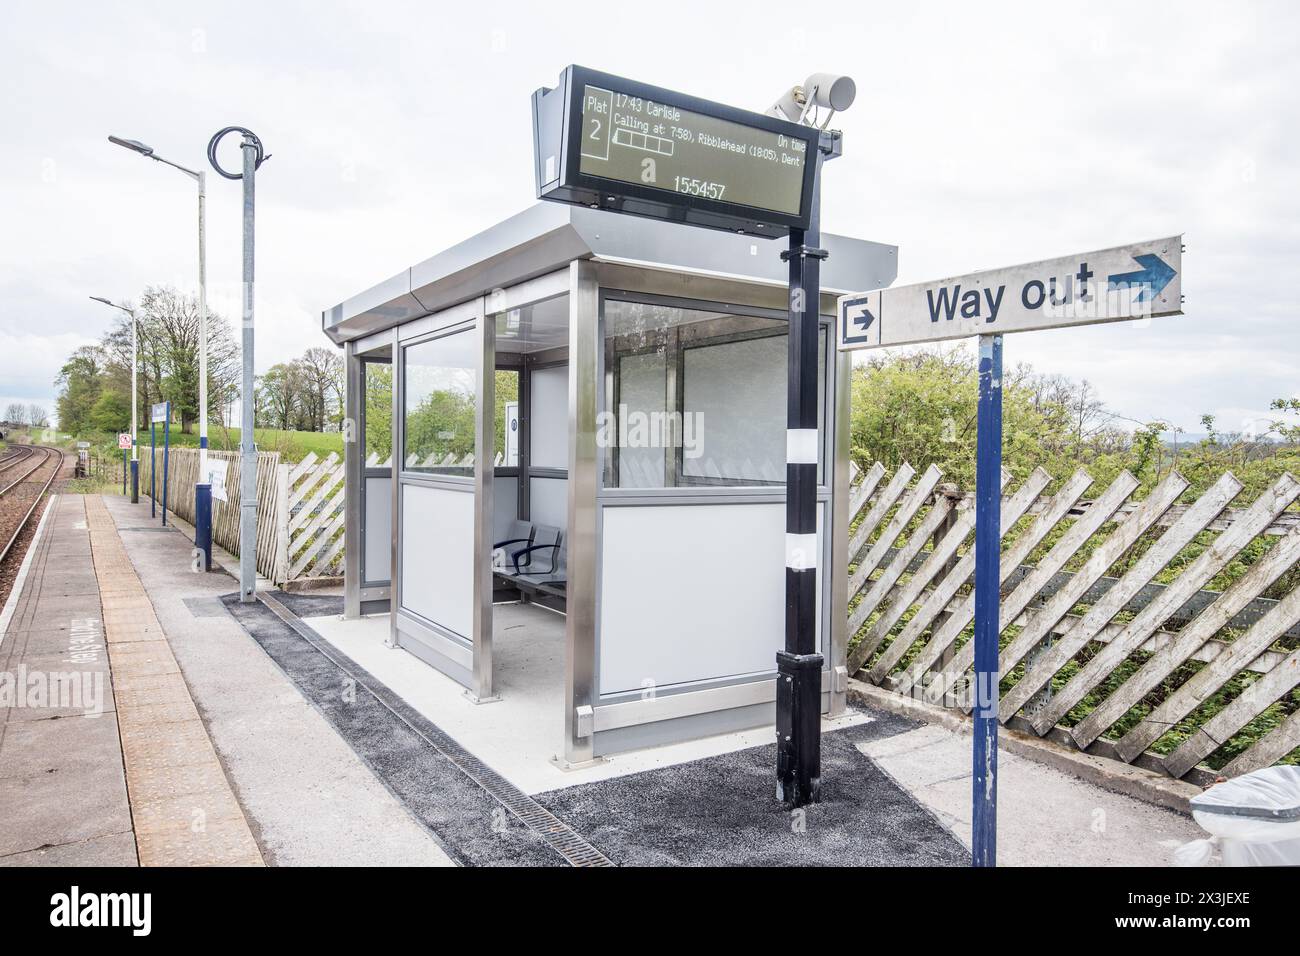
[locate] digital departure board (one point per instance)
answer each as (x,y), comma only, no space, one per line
(618,144)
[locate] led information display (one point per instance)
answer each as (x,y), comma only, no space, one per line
(612,143)
(637,140)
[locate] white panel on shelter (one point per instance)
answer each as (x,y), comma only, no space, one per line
(438,556)
(379,529)
(692,593)
(548,501)
(641,392)
(548,418)
(735,392)
(505,505)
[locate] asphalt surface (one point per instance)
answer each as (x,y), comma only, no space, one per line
(307,604)
(722,811)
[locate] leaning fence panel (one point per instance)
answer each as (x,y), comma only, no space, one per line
(1112,640)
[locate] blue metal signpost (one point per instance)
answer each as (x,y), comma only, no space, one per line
(159,412)
(167,426)
(153,461)
(988,535)
(1085,289)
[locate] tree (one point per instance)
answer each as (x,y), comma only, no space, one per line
(168,329)
(37,417)
(321,376)
(16,413)
(111,412)
(80,382)
(279,396)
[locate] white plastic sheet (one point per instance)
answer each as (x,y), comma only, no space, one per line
(1254,819)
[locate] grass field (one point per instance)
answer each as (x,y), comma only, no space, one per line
(293,446)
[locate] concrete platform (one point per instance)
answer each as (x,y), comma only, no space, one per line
(225,761)
(1045,817)
(63,797)
(309,799)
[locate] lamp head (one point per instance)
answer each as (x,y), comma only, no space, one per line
(132,144)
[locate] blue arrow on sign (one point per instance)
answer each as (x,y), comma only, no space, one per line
(864,320)
(1153,277)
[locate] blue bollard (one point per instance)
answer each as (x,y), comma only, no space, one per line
(203,523)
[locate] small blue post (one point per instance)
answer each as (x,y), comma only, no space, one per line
(988,535)
(203,523)
(153,467)
(203,512)
(123,472)
(167,431)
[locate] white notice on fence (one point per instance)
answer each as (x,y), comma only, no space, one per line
(217,479)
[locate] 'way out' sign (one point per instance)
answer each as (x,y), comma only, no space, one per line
(1111,285)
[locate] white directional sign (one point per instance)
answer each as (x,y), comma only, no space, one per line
(1111,285)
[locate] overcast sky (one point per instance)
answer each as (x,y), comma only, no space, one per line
(983,135)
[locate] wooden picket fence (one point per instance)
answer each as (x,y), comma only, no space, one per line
(1096,653)
(300,507)
(183,474)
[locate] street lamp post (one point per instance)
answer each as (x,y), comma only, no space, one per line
(135,403)
(253,156)
(203,488)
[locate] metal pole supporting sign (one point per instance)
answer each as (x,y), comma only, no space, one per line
(253,158)
(167,433)
(1123,283)
(988,534)
(154,412)
(799,666)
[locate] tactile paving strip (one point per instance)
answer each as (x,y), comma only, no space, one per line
(182,808)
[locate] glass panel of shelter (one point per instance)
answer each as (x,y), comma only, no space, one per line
(531,471)
(376,428)
(440,401)
(695,396)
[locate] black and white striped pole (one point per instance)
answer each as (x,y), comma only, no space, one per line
(799,666)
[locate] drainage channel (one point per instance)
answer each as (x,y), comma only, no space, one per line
(557,834)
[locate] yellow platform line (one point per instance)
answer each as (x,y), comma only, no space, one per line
(182,808)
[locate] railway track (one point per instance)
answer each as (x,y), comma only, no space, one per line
(23,484)
(13,456)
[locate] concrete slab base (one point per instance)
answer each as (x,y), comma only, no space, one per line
(1045,817)
(521,736)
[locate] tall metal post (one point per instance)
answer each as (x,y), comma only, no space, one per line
(799,666)
(988,534)
(247,446)
(135,412)
(203,488)
(167,440)
(153,466)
